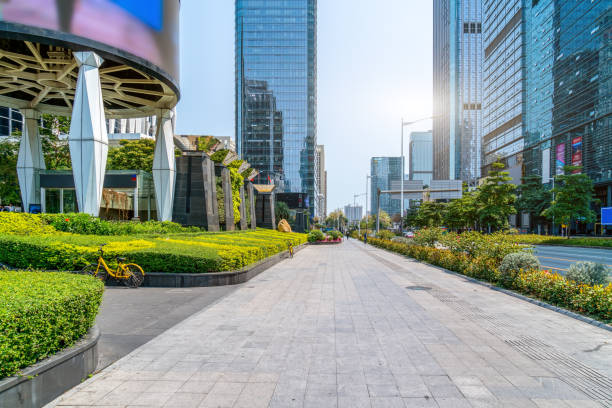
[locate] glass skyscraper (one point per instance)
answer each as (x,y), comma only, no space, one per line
(457,124)
(503,28)
(569,90)
(276,89)
(385,172)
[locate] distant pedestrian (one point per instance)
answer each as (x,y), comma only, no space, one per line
(365,238)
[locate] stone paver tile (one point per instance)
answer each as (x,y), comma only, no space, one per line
(347,401)
(420,403)
(388,402)
(165,386)
(453,403)
(255,395)
(83,398)
(476,392)
(317,401)
(550,403)
(197,386)
(264,377)
(185,400)
(383,390)
(151,399)
(118,398)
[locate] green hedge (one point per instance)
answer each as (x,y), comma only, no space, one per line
(178,253)
(595,300)
(42,313)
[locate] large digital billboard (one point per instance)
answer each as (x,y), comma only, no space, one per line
(147,29)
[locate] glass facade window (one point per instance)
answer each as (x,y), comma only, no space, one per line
(457,125)
(569,89)
(421,157)
(276,91)
(11,122)
(385,171)
(503,85)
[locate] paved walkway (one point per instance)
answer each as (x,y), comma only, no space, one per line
(346,326)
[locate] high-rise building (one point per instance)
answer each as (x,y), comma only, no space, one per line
(276,90)
(569,90)
(354,213)
(385,173)
(457,78)
(262,133)
(321,181)
(503,115)
(421,157)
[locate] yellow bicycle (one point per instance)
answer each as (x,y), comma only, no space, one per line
(129,274)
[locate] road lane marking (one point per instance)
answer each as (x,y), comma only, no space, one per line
(552,267)
(563,259)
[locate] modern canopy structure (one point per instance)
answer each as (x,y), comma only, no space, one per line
(91,60)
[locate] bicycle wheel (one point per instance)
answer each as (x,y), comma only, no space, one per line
(91,271)
(136,276)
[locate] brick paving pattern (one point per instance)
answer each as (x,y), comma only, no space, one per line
(352,326)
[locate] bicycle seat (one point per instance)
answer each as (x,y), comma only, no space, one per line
(121,259)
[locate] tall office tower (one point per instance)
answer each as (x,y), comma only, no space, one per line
(503,113)
(262,143)
(457,78)
(386,173)
(321,181)
(276,56)
(569,91)
(421,157)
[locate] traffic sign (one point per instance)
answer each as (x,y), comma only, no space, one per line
(606,216)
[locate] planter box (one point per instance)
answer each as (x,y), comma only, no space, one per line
(326,242)
(46,380)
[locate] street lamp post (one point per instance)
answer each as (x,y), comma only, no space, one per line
(366,193)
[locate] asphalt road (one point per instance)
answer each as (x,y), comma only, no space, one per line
(129,318)
(560,258)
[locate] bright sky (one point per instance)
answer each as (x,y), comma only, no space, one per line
(374,67)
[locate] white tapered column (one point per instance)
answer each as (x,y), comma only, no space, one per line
(164,165)
(88,137)
(30,159)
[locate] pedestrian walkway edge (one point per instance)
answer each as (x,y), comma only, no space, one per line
(545,305)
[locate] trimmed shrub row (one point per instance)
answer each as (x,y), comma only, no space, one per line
(594,300)
(178,253)
(42,313)
(25,224)
(535,239)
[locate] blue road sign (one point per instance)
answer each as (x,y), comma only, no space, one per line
(606,216)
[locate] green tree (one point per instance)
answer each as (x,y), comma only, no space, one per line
(573,197)
(9,185)
(281,211)
(410,220)
(55,149)
(132,155)
(533,198)
(495,198)
(385,220)
(336,218)
(430,214)
(461,212)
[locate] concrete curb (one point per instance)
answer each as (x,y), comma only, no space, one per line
(44,381)
(545,305)
(189,280)
(573,246)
